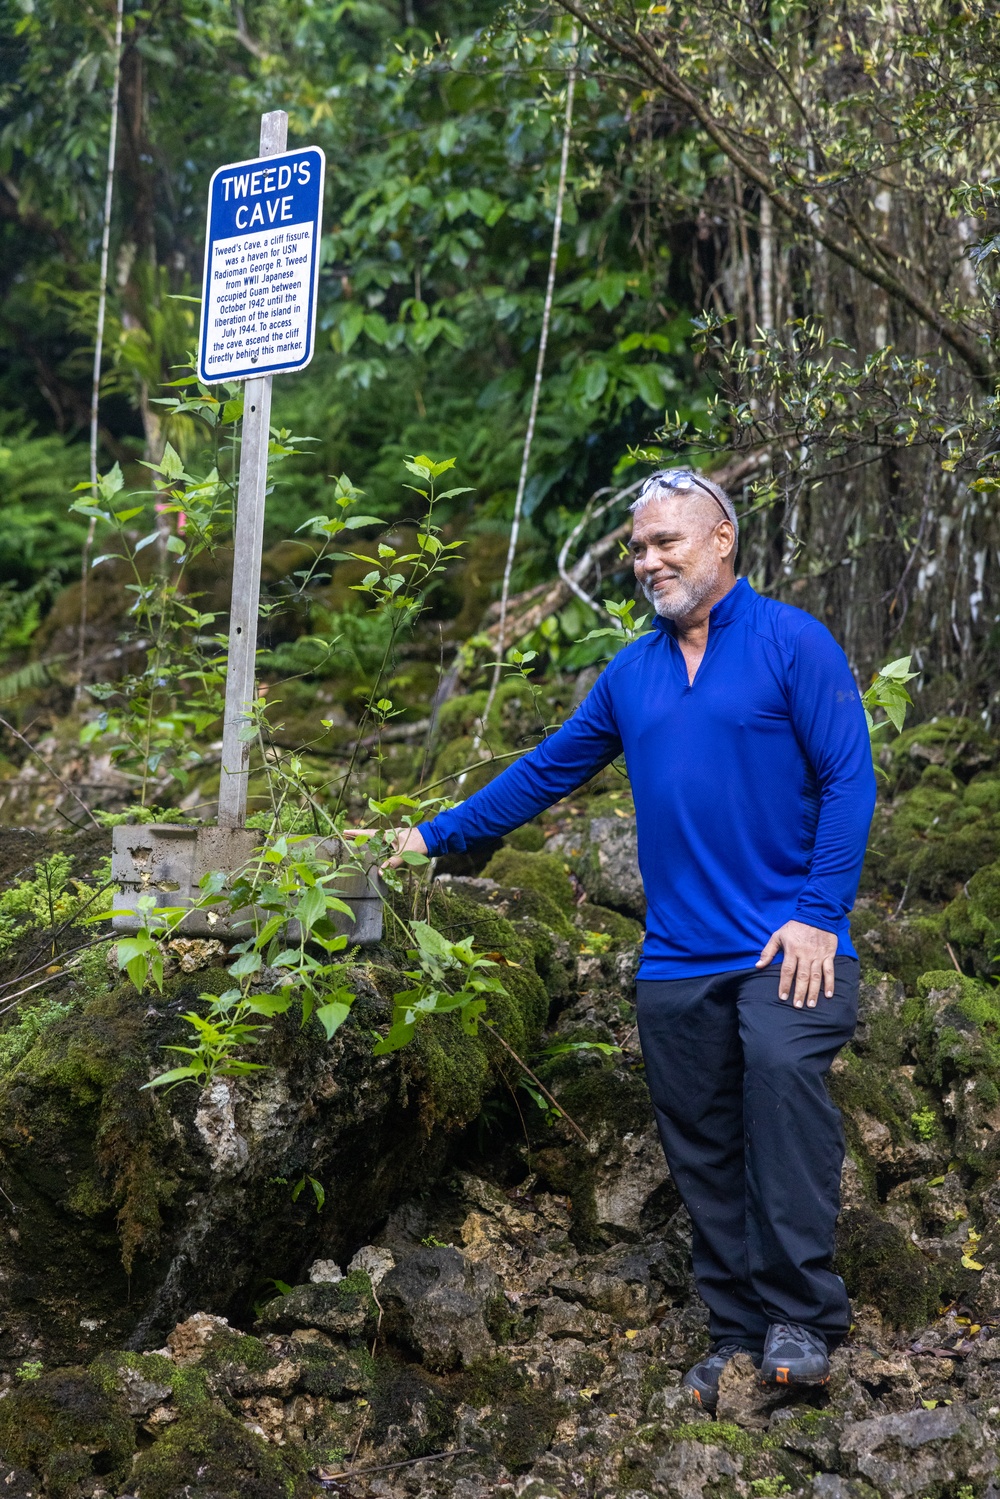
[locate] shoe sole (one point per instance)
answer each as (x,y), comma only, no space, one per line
(783,1376)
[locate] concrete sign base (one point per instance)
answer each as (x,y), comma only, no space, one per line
(167,861)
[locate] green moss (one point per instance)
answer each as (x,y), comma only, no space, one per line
(420,1404)
(505,1324)
(943,746)
(84,1073)
(623,931)
(355,1291)
(67,1427)
(960,1032)
(605,1099)
(209,1455)
(905,946)
(972,921)
(863,1083)
(530,838)
(456,1070)
(17,1040)
(719,1434)
(491,1381)
(107,1369)
(523,1426)
(881,1267)
(527,871)
(190,1389)
(334,1372)
(242,1350)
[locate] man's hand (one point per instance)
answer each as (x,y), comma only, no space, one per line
(407,841)
(808,961)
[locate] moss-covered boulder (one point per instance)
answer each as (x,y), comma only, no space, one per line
(881,1268)
(68,1427)
(972,921)
(211,1455)
(533,871)
(961,746)
(137,1207)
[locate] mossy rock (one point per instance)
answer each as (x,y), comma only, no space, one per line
(345,1308)
(930,839)
(880,1267)
(69,1428)
(417,1407)
(972,921)
(959,745)
(859,1083)
(529,839)
(526,871)
(608,1100)
(209,1455)
(623,930)
(960,1028)
(905,946)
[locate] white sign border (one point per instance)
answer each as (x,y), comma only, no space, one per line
(256,371)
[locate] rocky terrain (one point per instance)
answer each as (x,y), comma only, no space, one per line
(483,1297)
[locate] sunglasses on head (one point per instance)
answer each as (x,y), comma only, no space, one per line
(680,479)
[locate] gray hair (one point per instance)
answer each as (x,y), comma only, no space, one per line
(668,481)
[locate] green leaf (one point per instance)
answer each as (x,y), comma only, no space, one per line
(332,1016)
(311,907)
(249,963)
(175,1075)
(268,1004)
(110,483)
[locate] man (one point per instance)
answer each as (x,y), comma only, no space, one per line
(750,765)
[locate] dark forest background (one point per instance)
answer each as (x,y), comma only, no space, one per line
(777,259)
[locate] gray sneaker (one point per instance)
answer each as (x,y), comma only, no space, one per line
(794,1355)
(703,1379)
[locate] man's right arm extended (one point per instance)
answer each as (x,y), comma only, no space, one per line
(584,744)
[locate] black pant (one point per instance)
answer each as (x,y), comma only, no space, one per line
(753,1142)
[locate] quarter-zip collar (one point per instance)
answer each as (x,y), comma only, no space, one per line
(735,603)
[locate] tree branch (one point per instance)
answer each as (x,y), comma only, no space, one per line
(640,52)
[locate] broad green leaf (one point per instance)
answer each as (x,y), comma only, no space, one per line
(268,1004)
(332,1016)
(311,907)
(175,1075)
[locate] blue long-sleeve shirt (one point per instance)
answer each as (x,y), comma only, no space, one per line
(753,786)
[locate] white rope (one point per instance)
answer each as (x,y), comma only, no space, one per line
(102,304)
(529,435)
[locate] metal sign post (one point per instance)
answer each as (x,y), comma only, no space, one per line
(258,320)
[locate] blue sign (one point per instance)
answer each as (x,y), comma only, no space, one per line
(261,266)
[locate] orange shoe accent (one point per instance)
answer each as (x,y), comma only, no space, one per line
(781,1376)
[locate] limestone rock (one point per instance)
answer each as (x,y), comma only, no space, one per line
(215,1121)
(435,1301)
(743,1399)
(339,1308)
(605,857)
(696,1470)
(15,1483)
(629,1173)
(190,1340)
(325,1272)
(922,1452)
(374,1262)
(832,1486)
(142,1395)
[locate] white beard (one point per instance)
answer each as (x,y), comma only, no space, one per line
(683,596)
